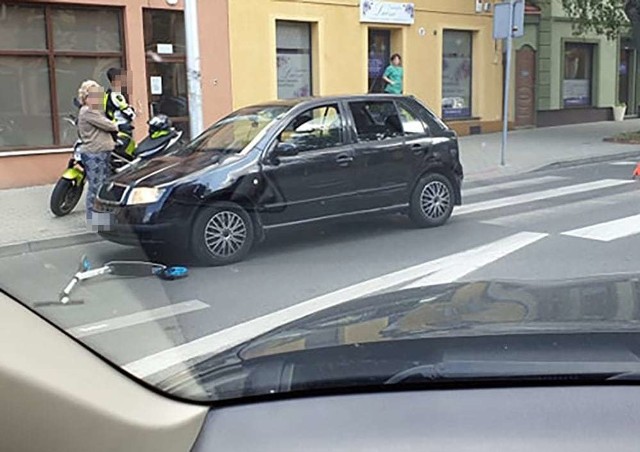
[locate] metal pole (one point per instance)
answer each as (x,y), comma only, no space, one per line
(507,79)
(193,66)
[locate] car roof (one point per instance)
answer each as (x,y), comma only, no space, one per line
(323,99)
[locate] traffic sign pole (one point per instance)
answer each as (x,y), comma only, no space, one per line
(507,79)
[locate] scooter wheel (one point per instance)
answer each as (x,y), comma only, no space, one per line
(65,196)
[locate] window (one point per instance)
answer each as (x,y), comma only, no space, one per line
(379,54)
(164,42)
(293,59)
(376,120)
(410,123)
(578,70)
(456,74)
(44,75)
(318,128)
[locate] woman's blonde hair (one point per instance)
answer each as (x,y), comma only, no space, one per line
(84,90)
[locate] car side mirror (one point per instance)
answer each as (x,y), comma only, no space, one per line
(285,150)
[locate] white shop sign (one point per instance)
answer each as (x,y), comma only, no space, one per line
(387,12)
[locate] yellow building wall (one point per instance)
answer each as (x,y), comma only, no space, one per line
(340,45)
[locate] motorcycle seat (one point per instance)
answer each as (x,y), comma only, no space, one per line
(148,145)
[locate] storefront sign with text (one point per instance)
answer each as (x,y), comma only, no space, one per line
(387,12)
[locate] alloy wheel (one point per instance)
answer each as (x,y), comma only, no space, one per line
(435,200)
(225,234)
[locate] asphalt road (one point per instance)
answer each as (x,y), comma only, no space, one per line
(558,224)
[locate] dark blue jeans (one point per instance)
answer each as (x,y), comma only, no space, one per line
(96,170)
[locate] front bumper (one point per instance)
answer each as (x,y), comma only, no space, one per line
(144,225)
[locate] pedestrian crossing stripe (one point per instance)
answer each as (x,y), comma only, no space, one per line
(526,218)
(609,230)
(511,201)
(510,185)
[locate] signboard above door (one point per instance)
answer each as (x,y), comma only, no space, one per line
(387,12)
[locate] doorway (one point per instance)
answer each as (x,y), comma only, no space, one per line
(166,66)
(525,87)
(378,57)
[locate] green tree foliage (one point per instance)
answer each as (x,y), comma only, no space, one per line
(609,18)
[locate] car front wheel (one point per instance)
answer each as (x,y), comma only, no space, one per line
(432,201)
(222,234)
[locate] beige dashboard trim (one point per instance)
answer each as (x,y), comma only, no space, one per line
(57,396)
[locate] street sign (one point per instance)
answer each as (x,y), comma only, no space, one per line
(505,12)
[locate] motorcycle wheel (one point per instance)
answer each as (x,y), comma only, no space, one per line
(65,196)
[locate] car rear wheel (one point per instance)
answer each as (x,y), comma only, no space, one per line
(222,234)
(432,201)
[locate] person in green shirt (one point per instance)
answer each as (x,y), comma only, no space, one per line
(393,75)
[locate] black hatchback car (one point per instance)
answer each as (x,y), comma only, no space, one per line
(286,163)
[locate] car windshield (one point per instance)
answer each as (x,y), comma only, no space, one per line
(236,131)
(303,196)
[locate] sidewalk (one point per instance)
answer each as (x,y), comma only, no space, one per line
(26,224)
(532,149)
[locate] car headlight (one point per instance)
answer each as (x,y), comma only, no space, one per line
(144,195)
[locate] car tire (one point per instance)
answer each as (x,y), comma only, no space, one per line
(432,201)
(222,234)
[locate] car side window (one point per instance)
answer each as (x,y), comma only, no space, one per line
(376,120)
(411,124)
(314,129)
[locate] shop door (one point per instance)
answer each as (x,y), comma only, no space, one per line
(626,78)
(525,87)
(166,67)
(379,55)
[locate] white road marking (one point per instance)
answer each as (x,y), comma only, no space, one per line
(623,163)
(510,185)
(608,231)
(539,195)
(524,219)
(137,318)
(452,266)
(478,258)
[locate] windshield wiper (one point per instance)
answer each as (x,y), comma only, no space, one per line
(518,370)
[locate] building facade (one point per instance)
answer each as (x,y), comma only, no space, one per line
(48,48)
(285,48)
(562,78)
(251,51)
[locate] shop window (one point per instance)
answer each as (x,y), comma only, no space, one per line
(457,64)
(22,27)
(167,83)
(165,29)
(293,59)
(43,74)
(578,74)
(86,30)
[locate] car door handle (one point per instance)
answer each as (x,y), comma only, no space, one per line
(419,147)
(344,159)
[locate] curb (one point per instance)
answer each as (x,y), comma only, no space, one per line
(587,160)
(48,244)
(498,173)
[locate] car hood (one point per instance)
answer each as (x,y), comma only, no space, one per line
(166,169)
(603,304)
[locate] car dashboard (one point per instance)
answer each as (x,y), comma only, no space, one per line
(547,418)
